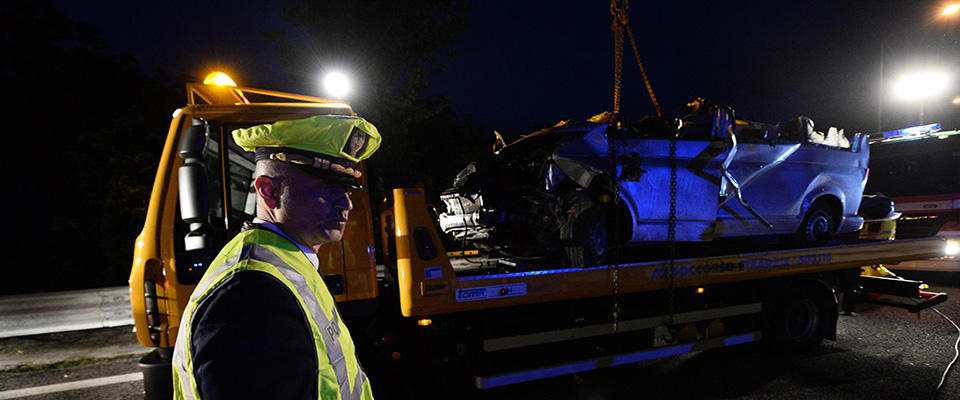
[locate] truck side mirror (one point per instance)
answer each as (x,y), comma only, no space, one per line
(194,194)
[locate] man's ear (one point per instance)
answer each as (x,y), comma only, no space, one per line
(268,191)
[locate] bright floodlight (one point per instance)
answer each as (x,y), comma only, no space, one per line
(336,84)
(951,9)
(952,248)
(918,86)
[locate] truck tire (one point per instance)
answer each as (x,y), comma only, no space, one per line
(584,237)
(817,226)
(801,319)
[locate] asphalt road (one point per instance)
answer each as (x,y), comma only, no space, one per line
(71,357)
(883,353)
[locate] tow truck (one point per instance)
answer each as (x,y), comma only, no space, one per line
(428,320)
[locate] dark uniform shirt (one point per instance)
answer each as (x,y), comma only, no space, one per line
(251,340)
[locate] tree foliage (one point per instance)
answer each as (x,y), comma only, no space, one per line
(85,129)
(392,49)
(86,125)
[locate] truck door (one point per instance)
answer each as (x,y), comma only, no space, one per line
(215,196)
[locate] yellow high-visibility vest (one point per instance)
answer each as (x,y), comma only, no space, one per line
(340,375)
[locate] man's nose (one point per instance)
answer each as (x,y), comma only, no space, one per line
(343,201)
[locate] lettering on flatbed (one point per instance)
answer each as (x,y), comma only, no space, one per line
(434,288)
(744,265)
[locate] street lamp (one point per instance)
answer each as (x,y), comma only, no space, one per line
(920,86)
(336,84)
(948,11)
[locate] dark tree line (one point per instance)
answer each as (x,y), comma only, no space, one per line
(394,48)
(85,129)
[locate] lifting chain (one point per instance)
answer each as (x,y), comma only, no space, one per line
(615,188)
(672,238)
(621,23)
(619,15)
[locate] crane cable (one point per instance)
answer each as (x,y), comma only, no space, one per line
(620,23)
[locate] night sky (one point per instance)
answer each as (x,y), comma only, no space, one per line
(521,64)
(518,66)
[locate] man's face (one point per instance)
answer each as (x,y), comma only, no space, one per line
(311,211)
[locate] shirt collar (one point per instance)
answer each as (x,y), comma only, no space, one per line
(305,250)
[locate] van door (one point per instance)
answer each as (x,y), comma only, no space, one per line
(700,152)
(758,190)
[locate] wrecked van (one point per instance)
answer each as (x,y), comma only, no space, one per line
(575,189)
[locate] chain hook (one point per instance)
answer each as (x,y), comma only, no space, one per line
(618,10)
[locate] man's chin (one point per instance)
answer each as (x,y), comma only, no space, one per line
(331,235)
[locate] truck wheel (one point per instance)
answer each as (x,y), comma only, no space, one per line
(584,238)
(801,318)
(817,226)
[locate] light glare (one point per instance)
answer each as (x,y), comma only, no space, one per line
(920,85)
(951,9)
(336,84)
(219,79)
(952,248)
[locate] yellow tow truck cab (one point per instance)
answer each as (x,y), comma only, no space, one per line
(428,320)
(165,270)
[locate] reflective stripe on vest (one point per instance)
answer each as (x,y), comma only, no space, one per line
(257,257)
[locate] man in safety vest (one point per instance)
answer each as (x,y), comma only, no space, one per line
(261,324)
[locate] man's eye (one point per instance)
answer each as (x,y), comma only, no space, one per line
(328,190)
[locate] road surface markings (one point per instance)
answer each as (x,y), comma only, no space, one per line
(63,387)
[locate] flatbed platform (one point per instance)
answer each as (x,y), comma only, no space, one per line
(472,263)
(444,290)
(429,284)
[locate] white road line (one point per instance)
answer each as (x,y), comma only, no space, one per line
(63,387)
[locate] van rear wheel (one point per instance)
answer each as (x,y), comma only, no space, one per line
(817,226)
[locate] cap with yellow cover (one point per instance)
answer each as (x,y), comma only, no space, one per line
(326,147)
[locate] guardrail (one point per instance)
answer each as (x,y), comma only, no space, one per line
(34,314)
